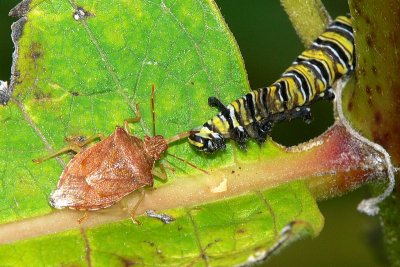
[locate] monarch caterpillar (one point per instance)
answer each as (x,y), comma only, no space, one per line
(309,78)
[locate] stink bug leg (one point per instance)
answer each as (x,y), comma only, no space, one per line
(64,150)
(161,173)
(81,141)
(133,211)
(83,218)
(132,120)
(153,112)
(75,146)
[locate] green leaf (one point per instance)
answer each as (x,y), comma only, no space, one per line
(222,233)
(83,75)
(373,103)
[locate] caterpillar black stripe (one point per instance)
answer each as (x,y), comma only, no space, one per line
(309,78)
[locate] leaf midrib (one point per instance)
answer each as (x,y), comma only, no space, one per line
(193,189)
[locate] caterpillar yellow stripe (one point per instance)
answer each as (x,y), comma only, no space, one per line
(310,77)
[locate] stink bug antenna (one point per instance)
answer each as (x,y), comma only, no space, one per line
(188,163)
(152,109)
(178,137)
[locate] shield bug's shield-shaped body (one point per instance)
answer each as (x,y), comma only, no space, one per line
(100,175)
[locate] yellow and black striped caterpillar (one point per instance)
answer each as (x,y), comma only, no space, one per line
(309,78)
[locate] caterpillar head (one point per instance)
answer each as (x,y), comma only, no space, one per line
(207,141)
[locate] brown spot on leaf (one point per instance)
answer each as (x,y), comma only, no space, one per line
(75,93)
(357,8)
(241,231)
(368,90)
(378,117)
(258,248)
(379,89)
(212,243)
(361,71)
(370,39)
(17,76)
(392,38)
(126,262)
(374,70)
(350,106)
(41,96)
(151,244)
(36,50)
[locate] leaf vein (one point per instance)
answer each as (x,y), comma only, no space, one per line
(268,205)
(88,249)
(197,49)
(108,65)
(202,255)
(33,125)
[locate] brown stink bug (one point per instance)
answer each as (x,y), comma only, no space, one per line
(100,175)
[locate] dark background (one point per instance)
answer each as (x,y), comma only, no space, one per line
(269,44)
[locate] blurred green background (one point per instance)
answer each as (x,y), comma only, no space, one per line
(269,44)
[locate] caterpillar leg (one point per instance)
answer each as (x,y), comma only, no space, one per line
(329,94)
(305,114)
(240,136)
(216,143)
(302,113)
(262,130)
(299,112)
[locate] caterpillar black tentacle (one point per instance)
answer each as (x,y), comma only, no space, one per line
(310,77)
